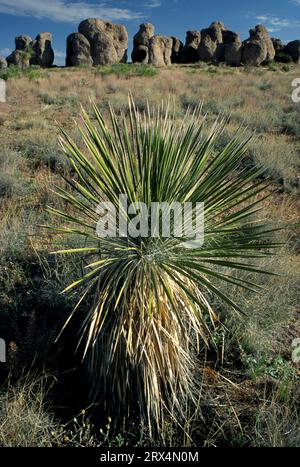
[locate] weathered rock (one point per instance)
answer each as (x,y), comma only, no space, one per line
(215,32)
(142,37)
(18,58)
(22,42)
(207,51)
(78,50)
(29,52)
(277,44)
(214,42)
(177,47)
(3,63)
(22,54)
(293,49)
(140,53)
(230,37)
(42,49)
(280,54)
(108,41)
(233,53)
(160,50)
(190,50)
(254,52)
(259,47)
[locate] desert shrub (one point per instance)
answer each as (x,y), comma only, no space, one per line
(283,57)
(16,72)
(291,122)
(10,186)
(42,150)
(264,86)
(277,156)
(164,290)
(126,70)
(59,100)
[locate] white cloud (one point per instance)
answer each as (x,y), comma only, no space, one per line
(59,54)
(65,10)
(5,52)
(274,24)
(153,4)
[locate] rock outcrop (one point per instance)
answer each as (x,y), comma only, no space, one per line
(258,49)
(190,50)
(140,53)
(43,54)
(78,50)
(22,54)
(160,50)
(293,49)
(177,48)
(233,54)
(219,44)
(28,52)
(108,41)
(3,63)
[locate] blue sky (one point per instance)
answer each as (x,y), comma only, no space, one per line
(171,17)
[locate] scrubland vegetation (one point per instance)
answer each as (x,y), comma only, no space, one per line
(247,384)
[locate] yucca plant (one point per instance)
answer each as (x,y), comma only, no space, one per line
(152,297)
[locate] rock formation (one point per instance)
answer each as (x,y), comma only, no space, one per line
(78,50)
(190,50)
(21,55)
(29,52)
(43,54)
(160,50)
(177,48)
(3,63)
(258,49)
(233,54)
(218,44)
(140,53)
(108,41)
(293,49)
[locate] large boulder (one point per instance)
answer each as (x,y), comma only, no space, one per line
(43,54)
(259,48)
(215,32)
(160,50)
(280,54)
(230,37)
(18,58)
(22,42)
(277,44)
(233,53)
(140,52)
(108,41)
(293,49)
(78,50)
(3,63)
(29,52)
(254,52)
(177,47)
(208,50)
(215,39)
(22,54)
(190,50)
(142,37)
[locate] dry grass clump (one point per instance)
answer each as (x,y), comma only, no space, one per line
(24,420)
